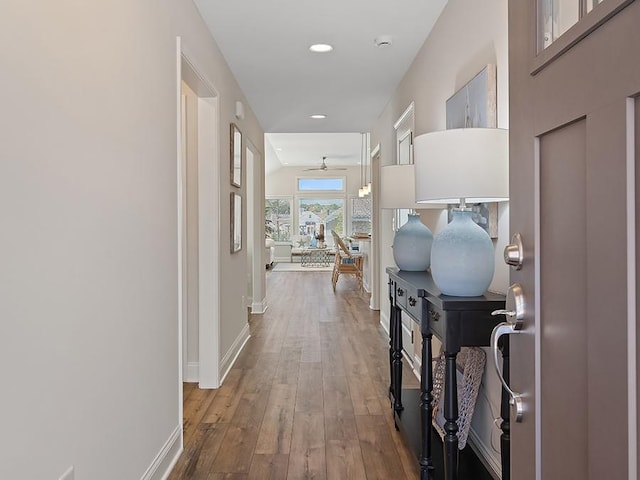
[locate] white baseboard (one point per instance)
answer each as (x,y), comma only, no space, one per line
(417,365)
(485,454)
(258,308)
(286,259)
(409,360)
(384,321)
(230,357)
(164,462)
(193,373)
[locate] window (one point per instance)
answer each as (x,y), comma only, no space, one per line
(278,220)
(312,212)
(557,16)
(321,184)
(360,215)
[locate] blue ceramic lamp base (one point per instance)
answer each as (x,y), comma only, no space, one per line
(412,246)
(462,257)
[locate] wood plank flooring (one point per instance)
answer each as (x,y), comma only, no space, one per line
(307,397)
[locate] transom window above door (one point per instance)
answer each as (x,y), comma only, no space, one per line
(558,16)
(334,184)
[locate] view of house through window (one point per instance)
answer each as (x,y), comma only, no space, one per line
(278,220)
(312,212)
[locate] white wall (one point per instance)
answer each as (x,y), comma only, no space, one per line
(468,36)
(88,290)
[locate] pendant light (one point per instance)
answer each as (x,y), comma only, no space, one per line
(362,192)
(367,185)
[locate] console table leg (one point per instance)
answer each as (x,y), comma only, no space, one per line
(392,329)
(450,416)
(505,426)
(426,403)
(397,359)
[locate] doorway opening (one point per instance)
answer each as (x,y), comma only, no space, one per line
(198,226)
(256,261)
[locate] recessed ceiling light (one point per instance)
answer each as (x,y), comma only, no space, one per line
(318,116)
(321,48)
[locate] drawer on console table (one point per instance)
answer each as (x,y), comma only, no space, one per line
(436,319)
(414,304)
(401,295)
(457,328)
(407,298)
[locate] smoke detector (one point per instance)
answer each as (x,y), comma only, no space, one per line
(383,41)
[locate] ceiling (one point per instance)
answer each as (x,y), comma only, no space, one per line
(266,44)
(307,149)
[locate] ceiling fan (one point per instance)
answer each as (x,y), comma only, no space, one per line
(323,166)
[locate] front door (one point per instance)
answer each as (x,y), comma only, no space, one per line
(574,134)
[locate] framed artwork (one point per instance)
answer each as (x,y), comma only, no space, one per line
(236,156)
(474,105)
(236,222)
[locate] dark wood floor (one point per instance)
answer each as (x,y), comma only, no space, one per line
(307,397)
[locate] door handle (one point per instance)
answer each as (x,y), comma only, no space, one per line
(514,313)
(515,398)
(515,306)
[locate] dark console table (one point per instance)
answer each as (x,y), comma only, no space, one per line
(457,322)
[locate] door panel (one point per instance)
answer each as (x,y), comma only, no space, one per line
(607,320)
(568,199)
(635,118)
(564,329)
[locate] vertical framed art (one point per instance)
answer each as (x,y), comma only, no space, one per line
(236,156)
(236,222)
(474,105)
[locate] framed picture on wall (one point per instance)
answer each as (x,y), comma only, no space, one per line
(484,214)
(236,156)
(236,222)
(474,105)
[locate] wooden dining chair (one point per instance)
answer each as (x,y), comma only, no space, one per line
(345,262)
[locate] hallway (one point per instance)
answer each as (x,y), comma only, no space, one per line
(307,397)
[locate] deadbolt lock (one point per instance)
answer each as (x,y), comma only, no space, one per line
(514,252)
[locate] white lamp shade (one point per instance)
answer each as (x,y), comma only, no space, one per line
(469,163)
(397,187)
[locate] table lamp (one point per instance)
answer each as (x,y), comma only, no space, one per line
(464,165)
(412,242)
